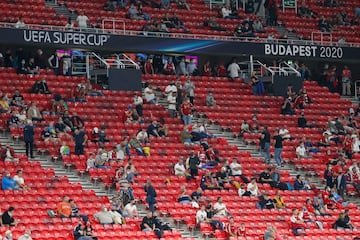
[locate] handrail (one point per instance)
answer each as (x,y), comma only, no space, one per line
(321,36)
(357,84)
(178,35)
(265,67)
(113,21)
(288,66)
(131,61)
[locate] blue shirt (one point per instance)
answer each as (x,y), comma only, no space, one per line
(8,184)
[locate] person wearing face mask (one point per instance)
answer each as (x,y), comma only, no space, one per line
(104,216)
(301,151)
(8,235)
(7,182)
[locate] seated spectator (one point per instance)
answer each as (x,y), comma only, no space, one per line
(210,100)
(8,217)
(287,108)
(109,6)
(149,94)
(302,122)
(64,208)
(26,236)
(197,196)
(17,100)
(134,13)
(306,12)
(278,200)
(247,30)
(183,197)
(191,68)
(182,4)
(7,183)
(253,188)
(179,168)
(101,159)
(208,181)
(299,184)
(19,180)
(266,178)
(59,105)
(236,170)
(34,113)
(20,23)
(178,24)
(32,68)
(165,4)
(266,202)
(22,117)
(323,24)
(48,135)
(84,231)
(142,136)
(167,20)
(61,128)
(156,130)
(213,25)
(342,223)
(238,31)
(8,154)
(148,224)
(301,151)
(242,190)
(130,209)
(136,144)
(40,86)
(78,93)
(222,177)
(227,13)
(220,208)
(75,211)
(186,136)
(104,216)
(258,26)
(297,222)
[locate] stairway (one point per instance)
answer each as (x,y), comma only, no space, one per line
(61,9)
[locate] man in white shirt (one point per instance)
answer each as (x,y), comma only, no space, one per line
(171,99)
(201,215)
(284,133)
(252,187)
(179,168)
(130,210)
(301,151)
(20,23)
(18,178)
(220,208)
(90,163)
(233,70)
(150,95)
(170,89)
(26,236)
(138,102)
(82,21)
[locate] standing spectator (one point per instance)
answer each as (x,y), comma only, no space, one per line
(76,121)
(20,23)
(150,196)
(233,70)
(193,163)
(82,21)
(138,102)
(29,138)
(346,81)
(265,144)
(329,176)
(186,111)
(171,99)
(189,88)
(148,67)
(54,62)
(80,139)
(341,183)
(278,148)
(169,67)
(191,67)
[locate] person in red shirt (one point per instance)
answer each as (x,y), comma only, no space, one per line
(231,229)
(148,67)
(186,111)
(242,230)
(207,69)
(221,70)
(169,68)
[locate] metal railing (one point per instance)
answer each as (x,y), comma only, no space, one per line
(357,89)
(94,62)
(289,69)
(113,22)
(178,35)
(322,35)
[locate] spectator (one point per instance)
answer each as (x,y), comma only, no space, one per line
(342,41)
(220,208)
(266,202)
(34,113)
(182,4)
(341,222)
(148,224)
(8,154)
(105,216)
(149,94)
(189,88)
(191,68)
(80,139)
(186,111)
(130,209)
(265,144)
(278,148)
(138,102)
(222,177)
(171,99)
(31,67)
(19,180)
(150,195)
(233,70)
(7,183)
(265,177)
(346,81)
(301,151)
(64,208)
(210,100)
(20,23)
(279,201)
(165,4)
(323,24)
(213,25)
(142,136)
(186,136)
(18,100)
(236,170)
(179,168)
(227,13)
(287,108)
(136,144)
(156,130)
(28,134)
(299,183)
(7,217)
(193,163)
(305,12)
(207,69)
(82,21)
(247,30)
(341,183)
(252,187)
(297,222)
(258,26)
(75,211)
(26,236)
(109,6)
